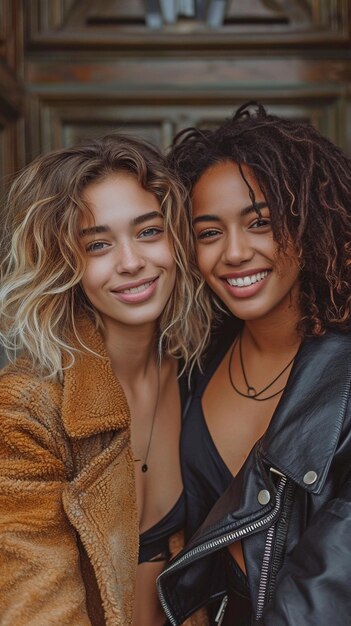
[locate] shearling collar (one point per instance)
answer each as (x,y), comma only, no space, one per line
(93,399)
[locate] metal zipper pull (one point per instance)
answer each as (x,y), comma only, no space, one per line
(221,611)
(275,471)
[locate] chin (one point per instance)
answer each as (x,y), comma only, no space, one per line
(248,314)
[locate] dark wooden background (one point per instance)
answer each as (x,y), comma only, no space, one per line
(76,68)
(71,69)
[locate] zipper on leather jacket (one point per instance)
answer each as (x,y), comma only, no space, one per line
(221,542)
(267,555)
(221,611)
(282,527)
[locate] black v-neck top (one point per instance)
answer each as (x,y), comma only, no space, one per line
(206,477)
(205,474)
(153,543)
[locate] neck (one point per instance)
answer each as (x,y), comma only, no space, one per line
(275,334)
(132,350)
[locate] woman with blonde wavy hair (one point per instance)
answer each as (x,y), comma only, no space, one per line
(97,320)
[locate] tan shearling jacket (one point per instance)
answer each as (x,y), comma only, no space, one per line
(68,515)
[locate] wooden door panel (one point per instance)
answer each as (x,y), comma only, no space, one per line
(65,123)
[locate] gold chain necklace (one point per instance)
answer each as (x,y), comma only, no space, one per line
(145,467)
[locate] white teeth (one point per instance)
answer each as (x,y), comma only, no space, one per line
(136,289)
(247,280)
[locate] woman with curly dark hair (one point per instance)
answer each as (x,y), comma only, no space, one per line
(268,480)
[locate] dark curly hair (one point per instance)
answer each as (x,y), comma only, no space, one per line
(306,181)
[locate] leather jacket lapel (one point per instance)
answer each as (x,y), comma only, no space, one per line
(306,426)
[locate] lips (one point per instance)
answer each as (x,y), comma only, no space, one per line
(136,286)
(246,285)
(137,291)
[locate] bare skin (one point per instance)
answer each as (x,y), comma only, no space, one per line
(160,487)
(236,423)
(235,244)
(129,277)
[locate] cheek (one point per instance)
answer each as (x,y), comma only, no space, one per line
(205,259)
(86,283)
(92,276)
(287,265)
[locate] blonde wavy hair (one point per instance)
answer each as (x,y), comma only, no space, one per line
(43,260)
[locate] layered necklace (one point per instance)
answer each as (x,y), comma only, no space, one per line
(145,467)
(251,392)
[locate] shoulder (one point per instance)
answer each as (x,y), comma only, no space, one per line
(333,350)
(321,379)
(24,392)
(33,441)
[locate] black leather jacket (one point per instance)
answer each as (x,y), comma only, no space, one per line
(290,506)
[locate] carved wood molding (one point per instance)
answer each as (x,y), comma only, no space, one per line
(11,34)
(194,76)
(63,121)
(11,94)
(123,25)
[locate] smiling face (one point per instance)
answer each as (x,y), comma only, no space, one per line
(130,270)
(236,252)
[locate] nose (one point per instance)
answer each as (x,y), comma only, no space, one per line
(237,247)
(129,259)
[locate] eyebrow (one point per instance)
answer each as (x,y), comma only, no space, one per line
(146,217)
(94,230)
(140,219)
(252,208)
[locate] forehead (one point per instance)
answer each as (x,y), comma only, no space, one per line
(118,196)
(222,185)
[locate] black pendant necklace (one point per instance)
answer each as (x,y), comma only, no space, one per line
(251,392)
(145,467)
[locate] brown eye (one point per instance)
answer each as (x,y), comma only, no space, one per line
(261,222)
(207,234)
